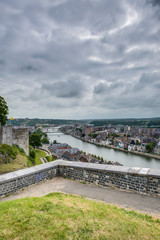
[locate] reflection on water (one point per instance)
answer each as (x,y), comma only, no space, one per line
(127,159)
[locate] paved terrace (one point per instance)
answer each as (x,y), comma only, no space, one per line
(142,203)
(141,180)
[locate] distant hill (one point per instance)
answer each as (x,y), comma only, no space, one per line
(144,122)
(34,121)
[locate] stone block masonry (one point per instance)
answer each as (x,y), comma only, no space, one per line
(138,180)
(6,135)
(10,135)
(15,181)
(132,179)
(21,138)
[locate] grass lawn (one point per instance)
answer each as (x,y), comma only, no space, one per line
(61,216)
(21,162)
(17,163)
(39,154)
(50,158)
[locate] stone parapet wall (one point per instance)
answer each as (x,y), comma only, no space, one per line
(12,182)
(137,180)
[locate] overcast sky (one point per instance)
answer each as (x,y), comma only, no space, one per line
(80,59)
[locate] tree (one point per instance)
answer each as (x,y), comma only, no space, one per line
(32,154)
(3,111)
(93,135)
(150,146)
(35,140)
(40,132)
(45,140)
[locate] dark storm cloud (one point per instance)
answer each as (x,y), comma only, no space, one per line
(154,2)
(89,57)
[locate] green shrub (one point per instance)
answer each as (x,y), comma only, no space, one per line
(45,140)
(32,160)
(32,154)
(49,158)
(8,150)
(20,150)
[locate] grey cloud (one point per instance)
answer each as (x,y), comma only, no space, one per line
(71,88)
(2,62)
(98,15)
(100,88)
(29,68)
(141,94)
(105,88)
(150,81)
(43,44)
(154,2)
(117,84)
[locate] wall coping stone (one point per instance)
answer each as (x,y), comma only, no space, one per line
(111,168)
(134,170)
(144,171)
(118,169)
(88,166)
(26,171)
(8,177)
(45,166)
(154,173)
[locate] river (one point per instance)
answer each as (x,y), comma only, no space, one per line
(127,159)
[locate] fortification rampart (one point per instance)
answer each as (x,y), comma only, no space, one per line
(138,180)
(21,138)
(6,135)
(10,135)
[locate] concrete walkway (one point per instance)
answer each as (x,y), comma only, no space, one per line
(145,204)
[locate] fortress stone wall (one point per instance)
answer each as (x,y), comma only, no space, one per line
(21,138)
(11,135)
(6,135)
(138,180)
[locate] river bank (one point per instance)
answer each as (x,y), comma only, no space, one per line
(119,149)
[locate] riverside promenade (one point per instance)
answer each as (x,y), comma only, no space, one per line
(127,200)
(156,156)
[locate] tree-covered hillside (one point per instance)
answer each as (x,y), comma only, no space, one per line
(143,122)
